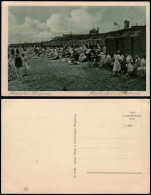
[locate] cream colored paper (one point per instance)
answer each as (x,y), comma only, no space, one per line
(5,91)
(75,146)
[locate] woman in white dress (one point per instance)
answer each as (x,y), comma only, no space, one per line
(25,65)
(108,62)
(103,58)
(117,66)
(141,71)
(129,65)
(82,57)
(12,71)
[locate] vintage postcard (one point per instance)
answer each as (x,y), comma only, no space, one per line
(75,147)
(75,48)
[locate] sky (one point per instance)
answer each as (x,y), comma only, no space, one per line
(42,23)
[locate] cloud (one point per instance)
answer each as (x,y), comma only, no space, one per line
(79,21)
(29,27)
(45,34)
(81,18)
(58,23)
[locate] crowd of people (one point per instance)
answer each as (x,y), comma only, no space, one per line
(97,57)
(94,56)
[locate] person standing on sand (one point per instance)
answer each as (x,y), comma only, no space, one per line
(117,66)
(25,65)
(122,62)
(12,72)
(17,51)
(18,65)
